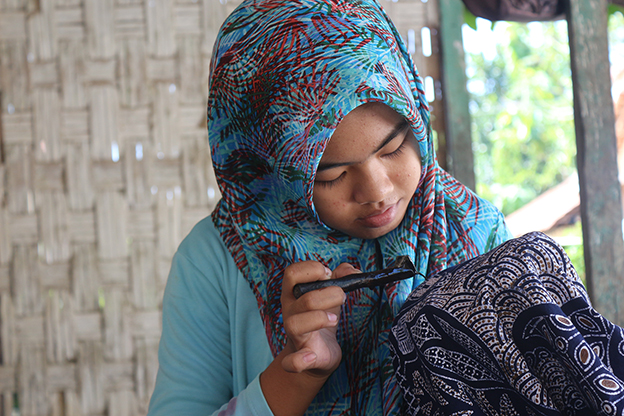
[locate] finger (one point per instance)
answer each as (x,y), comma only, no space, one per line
(344,269)
(305,271)
(322,299)
(299,325)
(299,361)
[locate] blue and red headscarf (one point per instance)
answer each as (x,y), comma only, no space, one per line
(283,75)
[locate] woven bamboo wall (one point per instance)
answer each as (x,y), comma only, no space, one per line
(104,169)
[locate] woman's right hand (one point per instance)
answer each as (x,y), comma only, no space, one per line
(312,352)
(311,321)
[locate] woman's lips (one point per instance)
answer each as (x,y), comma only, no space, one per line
(379,219)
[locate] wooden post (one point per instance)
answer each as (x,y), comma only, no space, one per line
(457,114)
(601,206)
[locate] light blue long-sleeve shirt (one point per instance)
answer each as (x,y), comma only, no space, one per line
(213,345)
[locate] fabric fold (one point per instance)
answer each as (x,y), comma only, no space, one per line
(509,332)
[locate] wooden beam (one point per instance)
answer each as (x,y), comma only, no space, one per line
(457,114)
(601,206)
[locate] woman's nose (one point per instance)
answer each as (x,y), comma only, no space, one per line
(373,185)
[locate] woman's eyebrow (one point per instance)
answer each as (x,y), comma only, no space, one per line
(397,129)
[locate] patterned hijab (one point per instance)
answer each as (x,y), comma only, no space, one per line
(283,75)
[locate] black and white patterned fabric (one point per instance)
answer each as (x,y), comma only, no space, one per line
(511,332)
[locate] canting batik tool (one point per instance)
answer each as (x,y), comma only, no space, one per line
(403,268)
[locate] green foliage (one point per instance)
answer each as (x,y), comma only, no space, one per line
(470,19)
(523,119)
(522,112)
(616,34)
(615,8)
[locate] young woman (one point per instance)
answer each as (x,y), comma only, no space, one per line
(321,144)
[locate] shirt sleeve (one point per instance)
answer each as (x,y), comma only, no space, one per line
(195,375)
(249,402)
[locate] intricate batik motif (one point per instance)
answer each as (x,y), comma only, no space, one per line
(283,75)
(508,333)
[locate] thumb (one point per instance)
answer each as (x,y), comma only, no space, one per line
(299,361)
(344,269)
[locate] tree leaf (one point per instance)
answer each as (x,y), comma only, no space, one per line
(470,19)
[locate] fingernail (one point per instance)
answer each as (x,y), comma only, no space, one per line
(328,272)
(332,317)
(309,357)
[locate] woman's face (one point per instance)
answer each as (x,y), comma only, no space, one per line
(368,173)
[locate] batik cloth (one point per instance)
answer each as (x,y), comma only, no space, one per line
(283,75)
(511,332)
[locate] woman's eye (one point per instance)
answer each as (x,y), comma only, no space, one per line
(398,151)
(332,182)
